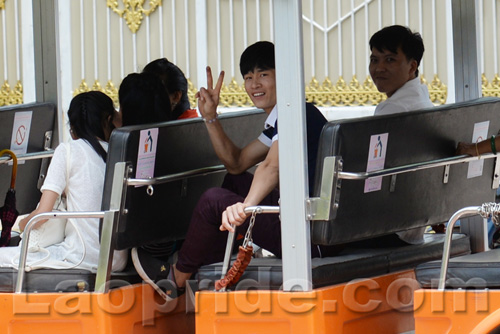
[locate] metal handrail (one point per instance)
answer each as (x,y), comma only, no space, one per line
(30,225)
(231,235)
(29,156)
(413,167)
(176,176)
(471,210)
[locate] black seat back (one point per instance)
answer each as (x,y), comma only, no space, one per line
(182,146)
(42,124)
(419,198)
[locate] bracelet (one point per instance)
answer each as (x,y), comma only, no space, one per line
(210,121)
(477,152)
(493,146)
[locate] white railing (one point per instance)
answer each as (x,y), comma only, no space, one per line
(97,47)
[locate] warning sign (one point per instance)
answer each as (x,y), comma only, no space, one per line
(21,132)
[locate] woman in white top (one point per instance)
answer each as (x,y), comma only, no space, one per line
(90,117)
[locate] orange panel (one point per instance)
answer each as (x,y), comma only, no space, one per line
(133,309)
(456,311)
(378,305)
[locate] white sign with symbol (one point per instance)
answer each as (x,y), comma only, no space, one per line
(21,133)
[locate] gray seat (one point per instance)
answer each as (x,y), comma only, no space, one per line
(410,200)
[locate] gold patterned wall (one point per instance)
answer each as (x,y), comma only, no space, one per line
(326,94)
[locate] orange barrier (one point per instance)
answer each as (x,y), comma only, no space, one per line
(132,309)
(377,305)
(456,311)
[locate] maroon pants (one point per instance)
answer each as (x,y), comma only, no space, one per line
(205,243)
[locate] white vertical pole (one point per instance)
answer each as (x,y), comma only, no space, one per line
(434,38)
(82,39)
(28,52)
(353,36)
(4,42)
(257,10)
(186,38)
(219,48)
(16,35)
(495,35)
(231,36)
(96,58)
(245,24)
(108,41)
(148,40)
(311,38)
(325,38)
(174,35)
(339,43)
(201,42)
(160,30)
(292,145)
(63,59)
(450,69)
(466,50)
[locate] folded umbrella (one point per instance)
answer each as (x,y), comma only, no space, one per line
(8,213)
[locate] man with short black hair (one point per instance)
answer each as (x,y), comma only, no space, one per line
(396,55)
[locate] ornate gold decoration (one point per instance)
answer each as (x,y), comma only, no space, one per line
(438,91)
(325,94)
(491,88)
(110,90)
(10,96)
(2,4)
(133,11)
(343,94)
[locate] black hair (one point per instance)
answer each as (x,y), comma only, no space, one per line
(143,100)
(89,114)
(259,55)
(173,79)
(392,37)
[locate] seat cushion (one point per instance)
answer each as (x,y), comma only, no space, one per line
(479,270)
(351,263)
(62,280)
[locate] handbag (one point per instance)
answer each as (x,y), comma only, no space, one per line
(53,230)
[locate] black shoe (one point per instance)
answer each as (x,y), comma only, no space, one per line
(157,273)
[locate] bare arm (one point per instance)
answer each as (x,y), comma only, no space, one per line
(265,180)
(47,202)
(237,160)
(482,147)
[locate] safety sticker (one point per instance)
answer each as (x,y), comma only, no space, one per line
(376,160)
(147,154)
(480,133)
(21,133)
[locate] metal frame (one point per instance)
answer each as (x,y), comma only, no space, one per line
(468,211)
(320,207)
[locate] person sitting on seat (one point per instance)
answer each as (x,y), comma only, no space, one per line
(176,85)
(142,100)
(77,170)
(219,207)
(396,52)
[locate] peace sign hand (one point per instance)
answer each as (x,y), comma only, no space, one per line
(208,98)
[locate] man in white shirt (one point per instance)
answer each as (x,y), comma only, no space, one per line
(396,54)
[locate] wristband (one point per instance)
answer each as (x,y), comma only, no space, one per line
(210,121)
(493,146)
(477,152)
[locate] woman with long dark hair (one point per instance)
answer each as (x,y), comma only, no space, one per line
(77,170)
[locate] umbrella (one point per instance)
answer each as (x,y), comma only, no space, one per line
(8,213)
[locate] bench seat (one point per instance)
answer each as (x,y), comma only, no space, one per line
(63,280)
(479,270)
(351,263)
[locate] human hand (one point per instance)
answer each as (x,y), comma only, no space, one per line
(234,215)
(208,98)
(466,149)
